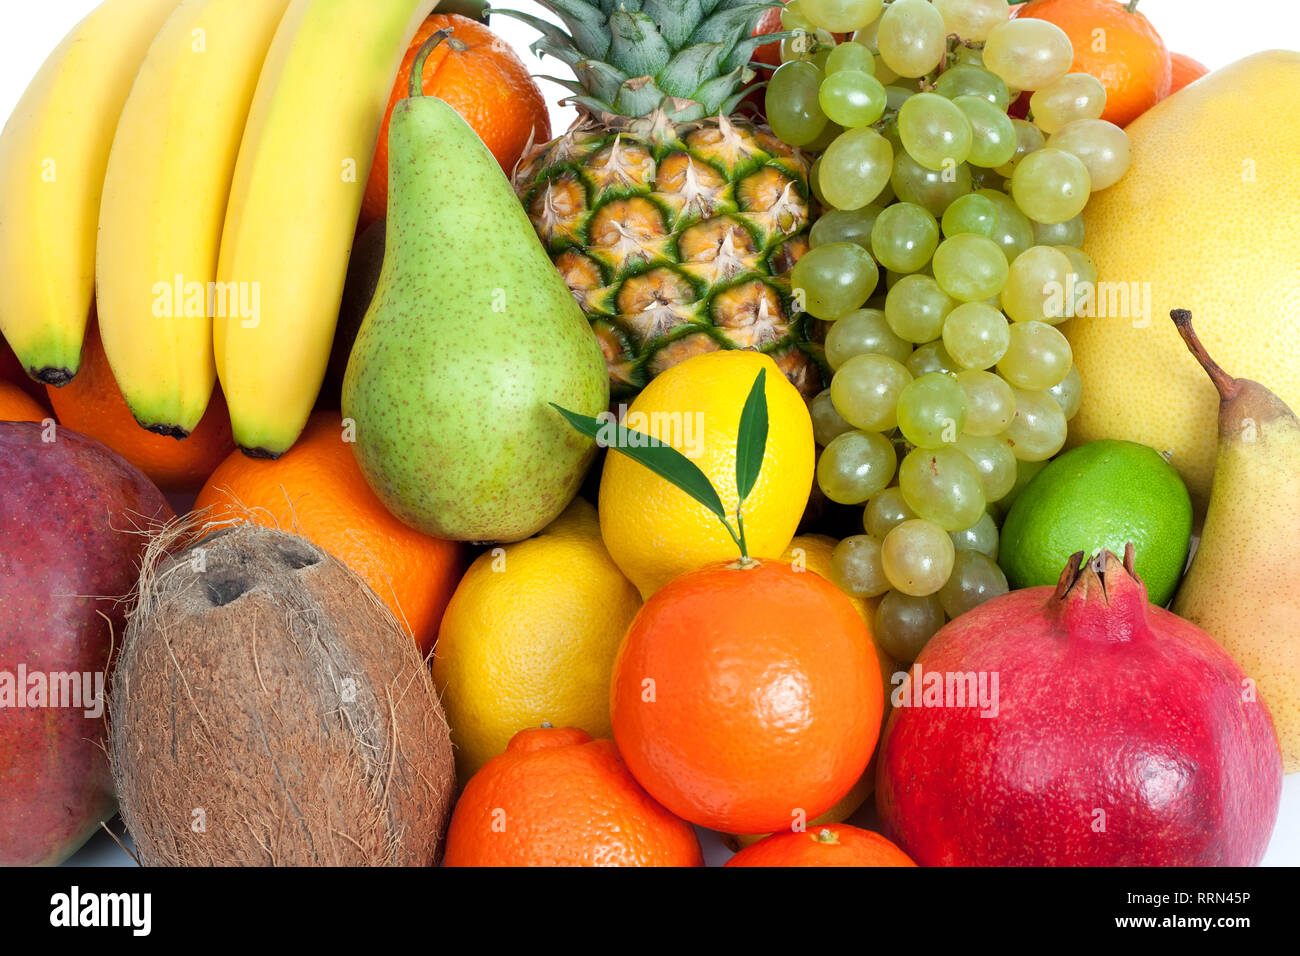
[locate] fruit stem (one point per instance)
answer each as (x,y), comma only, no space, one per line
(1228,386)
(1132,6)
(417,68)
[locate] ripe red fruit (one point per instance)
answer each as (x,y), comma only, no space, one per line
(1123,735)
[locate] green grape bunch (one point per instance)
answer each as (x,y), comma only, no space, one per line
(943,258)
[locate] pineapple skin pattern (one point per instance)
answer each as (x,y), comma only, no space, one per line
(673,220)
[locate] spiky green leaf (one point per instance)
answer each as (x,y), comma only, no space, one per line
(637,47)
(664,460)
(600,79)
(713,94)
(638,97)
(743,52)
(676,18)
(585,23)
(691,68)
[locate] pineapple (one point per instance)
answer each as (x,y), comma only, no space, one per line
(674,222)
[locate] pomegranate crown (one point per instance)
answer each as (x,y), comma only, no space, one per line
(1103,599)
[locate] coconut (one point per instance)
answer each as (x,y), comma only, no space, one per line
(267,709)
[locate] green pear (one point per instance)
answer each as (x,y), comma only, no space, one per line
(1243,587)
(470,336)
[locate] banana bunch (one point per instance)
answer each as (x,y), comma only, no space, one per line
(194,170)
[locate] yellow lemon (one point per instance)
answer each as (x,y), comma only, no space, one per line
(1205,219)
(653,530)
(530,636)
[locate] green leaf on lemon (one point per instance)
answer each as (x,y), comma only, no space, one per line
(751,439)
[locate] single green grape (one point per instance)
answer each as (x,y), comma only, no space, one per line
(931,357)
(1038,428)
(1073,97)
(845,225)
(933,189)
(916,307)
(1102,147)
(1028,54)
(966,80)
(969,267)
(1013,232)
(976,335)
(911,37)
(972,19)
(1038,356)
(941,485)
(982,536)
(842,16)
(834,279)
(855,168)
(993,137)
(850,56)
(972,213)
(863,332)
(904,237)
(793,109)
(793,17)
(815,181)
(866,391)
(885,511)
(826,421)
(990,402)
(1068,393)
(975,578)
(934,130)
(931,410)
(994,462)
(1068,233)
(1051,185)
(867,37)
(1037,285)
(1029,139)
(904,624)
(917,557)
(856,465)
(852,98)
(856,567)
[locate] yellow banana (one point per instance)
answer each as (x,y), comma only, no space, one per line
(294,203)
(164,205)
(53,153)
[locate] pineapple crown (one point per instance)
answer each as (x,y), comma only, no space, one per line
(686,58)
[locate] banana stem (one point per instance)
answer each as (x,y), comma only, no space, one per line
(417,68)
(1227,385)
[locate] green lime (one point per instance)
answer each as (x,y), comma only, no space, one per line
(1100,495)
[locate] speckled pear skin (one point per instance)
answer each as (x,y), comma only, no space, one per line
(470,335)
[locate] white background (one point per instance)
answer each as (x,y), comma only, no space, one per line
(1213,31)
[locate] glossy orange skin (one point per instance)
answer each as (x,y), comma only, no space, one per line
(17,406)
(834,844)
(743,700)
(1134,65)
(482,79)
(1185,70)
(558,798)
(316,489)
(93,405)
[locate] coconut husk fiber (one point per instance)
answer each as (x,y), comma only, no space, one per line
(267,709)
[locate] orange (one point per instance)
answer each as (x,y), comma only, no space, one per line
(745,699)
(478,75)
(836,844)
(1185,70)
(93,405)
(316,490)
(1116,44)
(17,406)
(558,798)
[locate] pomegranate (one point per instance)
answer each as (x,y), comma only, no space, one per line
(1078,726)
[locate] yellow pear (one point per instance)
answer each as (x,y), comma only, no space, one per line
(1207,218)
(1243,587)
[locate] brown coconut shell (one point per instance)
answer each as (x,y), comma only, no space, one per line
(267,709)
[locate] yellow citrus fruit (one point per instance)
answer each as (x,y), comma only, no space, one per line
(813,553)
(653,530)
(1212,230)
(530,637)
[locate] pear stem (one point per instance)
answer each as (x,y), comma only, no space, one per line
(1227,386)
(417,68)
